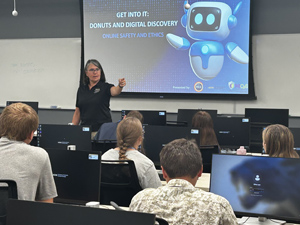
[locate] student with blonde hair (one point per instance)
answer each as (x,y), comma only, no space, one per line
(278,141)
(27,165)
(129,137)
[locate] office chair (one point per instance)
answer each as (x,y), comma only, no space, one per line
(105,138)
(207,152)
(107,132)
(8,189)
(119,182)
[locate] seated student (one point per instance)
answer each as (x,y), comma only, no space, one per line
(203,121)
(278,141)
(108,130)
(129,137)
(29,166)
(179,201)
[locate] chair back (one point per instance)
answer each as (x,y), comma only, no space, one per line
(119,182)
(8,189)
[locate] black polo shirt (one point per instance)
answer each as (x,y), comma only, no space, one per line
(94,104)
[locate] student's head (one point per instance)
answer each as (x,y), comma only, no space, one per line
(18,121)
(181,158)
(95,64)
(136,114)
(278,141)
(203,121)
(129,135)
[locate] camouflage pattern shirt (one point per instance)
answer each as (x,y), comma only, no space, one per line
(180,203)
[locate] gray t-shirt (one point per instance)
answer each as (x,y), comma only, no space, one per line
(30,167)
(147,174)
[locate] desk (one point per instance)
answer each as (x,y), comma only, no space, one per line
(126,208)
(202,182)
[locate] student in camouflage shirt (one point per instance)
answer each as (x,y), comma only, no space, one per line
(179,202)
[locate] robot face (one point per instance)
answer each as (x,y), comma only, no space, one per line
(205,19)
(208,21)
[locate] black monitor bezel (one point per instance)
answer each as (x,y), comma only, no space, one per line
(156,138)
(153,119)
(235,141)
(189,113)
(34,105)
(37,213)
(75,155)
(240,214)
(85,145)
(267,113)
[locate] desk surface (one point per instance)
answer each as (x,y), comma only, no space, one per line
(126,208)
(202,182)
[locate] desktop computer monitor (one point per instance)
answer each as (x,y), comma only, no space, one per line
(53,136)
(34,105)
(103,146)
(76,174)
(38,213)
(232,132)
(151,117)
(156,137)
(296,134)
(186,115)
(268,116)
(258,186)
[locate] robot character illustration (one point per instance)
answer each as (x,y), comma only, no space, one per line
(208,23)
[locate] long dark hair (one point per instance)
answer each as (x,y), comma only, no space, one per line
(203,121)
(96,63)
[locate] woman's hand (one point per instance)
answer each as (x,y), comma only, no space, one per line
(114,91)
(122,82)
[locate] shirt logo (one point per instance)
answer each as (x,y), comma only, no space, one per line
(96,90)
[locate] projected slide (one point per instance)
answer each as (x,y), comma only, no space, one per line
(163,47)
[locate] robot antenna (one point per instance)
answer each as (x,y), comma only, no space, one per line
(187,5)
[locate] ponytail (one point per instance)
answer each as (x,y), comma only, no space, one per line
(123,149)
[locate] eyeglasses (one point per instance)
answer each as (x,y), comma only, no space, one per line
(94,70)
(143,134)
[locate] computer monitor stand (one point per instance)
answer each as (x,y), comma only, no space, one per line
(259,220)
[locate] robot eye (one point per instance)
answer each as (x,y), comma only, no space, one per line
(210,19)
(198,18)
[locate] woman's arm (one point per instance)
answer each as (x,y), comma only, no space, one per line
(116,90)
(76,116)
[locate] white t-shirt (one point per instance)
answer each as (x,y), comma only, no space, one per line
(147,174)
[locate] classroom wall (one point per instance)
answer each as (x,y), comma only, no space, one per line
(47,34)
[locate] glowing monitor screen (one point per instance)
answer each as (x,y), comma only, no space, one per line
(161,48)
(258,186)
